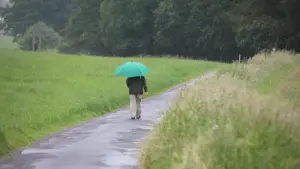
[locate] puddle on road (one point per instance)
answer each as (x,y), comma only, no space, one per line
(119,159)
(37,151)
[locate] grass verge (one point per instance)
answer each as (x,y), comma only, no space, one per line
(245,117)
(43,92)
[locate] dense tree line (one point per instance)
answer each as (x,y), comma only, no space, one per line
(209,29)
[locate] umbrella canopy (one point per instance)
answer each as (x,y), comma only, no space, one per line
(132,69)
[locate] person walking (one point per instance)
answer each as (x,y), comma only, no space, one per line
(136,83)
(137,87)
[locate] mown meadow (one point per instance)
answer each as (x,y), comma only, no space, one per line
(7,42)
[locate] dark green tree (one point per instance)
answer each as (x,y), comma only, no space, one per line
(213,30)
(19,16)
(82,33)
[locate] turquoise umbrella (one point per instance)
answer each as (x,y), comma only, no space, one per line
(132,69)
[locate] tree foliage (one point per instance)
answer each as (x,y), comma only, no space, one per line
(39,36)
(22,14)
(209,29)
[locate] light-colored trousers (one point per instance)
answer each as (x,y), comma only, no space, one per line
(135,105)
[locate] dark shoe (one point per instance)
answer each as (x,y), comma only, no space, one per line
(132,118)
(138,117)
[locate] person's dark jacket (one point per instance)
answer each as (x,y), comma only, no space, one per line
(136,85)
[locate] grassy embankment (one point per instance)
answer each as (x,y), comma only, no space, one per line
(43,92)
(246,117)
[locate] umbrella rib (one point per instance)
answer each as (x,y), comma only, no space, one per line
(140,69)
(121,68)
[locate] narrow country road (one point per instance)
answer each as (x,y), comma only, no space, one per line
(109,142)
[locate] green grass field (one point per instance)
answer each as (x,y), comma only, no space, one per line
(245,117)
(43,92)
(6,42)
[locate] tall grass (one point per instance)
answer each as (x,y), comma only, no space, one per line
(43,92)
(241,118)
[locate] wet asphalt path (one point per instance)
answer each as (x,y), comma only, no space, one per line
(109,142)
